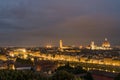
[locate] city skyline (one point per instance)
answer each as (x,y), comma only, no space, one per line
(78,22)
(63,44)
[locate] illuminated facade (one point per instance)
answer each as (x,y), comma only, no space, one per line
(105,46)
(61,44)
(67,48)
(19,52)
(93,45)
(63,47)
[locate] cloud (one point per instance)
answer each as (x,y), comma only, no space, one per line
(28,22)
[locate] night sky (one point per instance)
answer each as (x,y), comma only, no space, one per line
(42,22)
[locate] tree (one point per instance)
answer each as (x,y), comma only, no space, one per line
(67,68)
(117,77)
(88,76)
(62,75)
(24,61)
(79,70)
(21,75)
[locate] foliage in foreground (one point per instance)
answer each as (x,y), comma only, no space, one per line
(62,73)
(117,77)
(20,75)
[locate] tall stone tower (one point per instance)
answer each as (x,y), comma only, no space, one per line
(61,44)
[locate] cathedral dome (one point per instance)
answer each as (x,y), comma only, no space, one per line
(106,43)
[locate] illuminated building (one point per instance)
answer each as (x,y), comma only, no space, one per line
(105,46)
(67,48)
(63,47)
(21,52)
(61,44)
(92,45)
(106,43)
(48,46)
